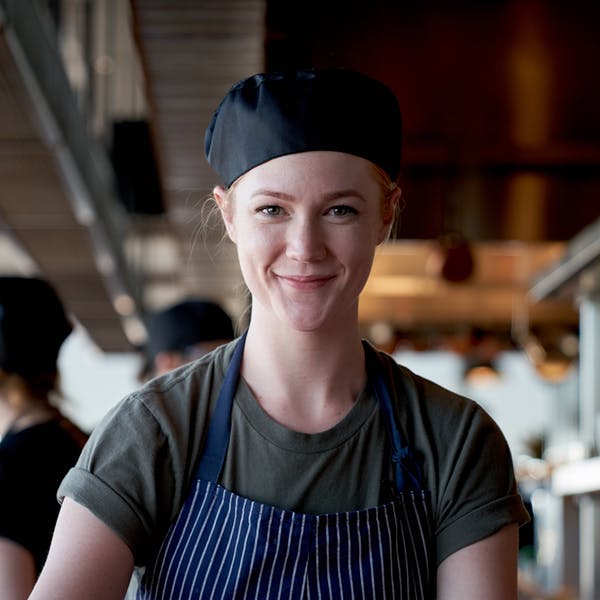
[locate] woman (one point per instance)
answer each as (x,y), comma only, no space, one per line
(296,461)
(37,444)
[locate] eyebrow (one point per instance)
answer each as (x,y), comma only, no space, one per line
(328,197)
(273,193)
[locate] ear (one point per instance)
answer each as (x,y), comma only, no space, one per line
(388,215)
(221,197)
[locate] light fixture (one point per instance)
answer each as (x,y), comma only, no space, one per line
(551,362)
(552,350)
(480,374)
(451,258)
(480,369)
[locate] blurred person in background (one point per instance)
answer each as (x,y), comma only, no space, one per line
(38,445)
(183,332)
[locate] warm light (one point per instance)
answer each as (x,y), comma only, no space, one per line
(530,78)
(124,304)
(482,376)
(400,285)
(134,330)
(554,371)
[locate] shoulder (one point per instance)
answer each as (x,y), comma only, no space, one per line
(168,413)
(454,435)
(180,394)
(467,462)
(134,471)
(448,427)
(417,398)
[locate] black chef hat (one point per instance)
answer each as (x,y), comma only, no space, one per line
(274,114)
(182,325)
(33,326)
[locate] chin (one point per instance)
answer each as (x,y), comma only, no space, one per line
(311,321)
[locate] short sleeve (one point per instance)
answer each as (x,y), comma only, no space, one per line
(467,463)
(477,491)
(115,475)
(135,469)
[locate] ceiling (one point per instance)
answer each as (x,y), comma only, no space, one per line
(47,225)
(501,151)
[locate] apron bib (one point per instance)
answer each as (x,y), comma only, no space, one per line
(226,546)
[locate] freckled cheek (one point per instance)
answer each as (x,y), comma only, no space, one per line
(263,247)
(257,249)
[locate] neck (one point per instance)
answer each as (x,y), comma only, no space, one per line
(13,419)
(307,381)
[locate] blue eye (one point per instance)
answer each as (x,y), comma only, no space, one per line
(271,210)
(343,211)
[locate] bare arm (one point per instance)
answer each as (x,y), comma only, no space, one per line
(486,569)
(87,559)
(17,571)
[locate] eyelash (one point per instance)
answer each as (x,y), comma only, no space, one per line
(347,210)
(272,210)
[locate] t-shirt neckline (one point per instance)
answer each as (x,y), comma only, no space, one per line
(305,443)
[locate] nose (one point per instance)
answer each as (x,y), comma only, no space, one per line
(306,241)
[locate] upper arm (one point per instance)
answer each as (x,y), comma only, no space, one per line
(17,570)
(485,569)
(87,559)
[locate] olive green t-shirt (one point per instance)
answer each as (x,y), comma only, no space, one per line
(135,471)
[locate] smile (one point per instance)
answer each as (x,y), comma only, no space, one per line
(306,282)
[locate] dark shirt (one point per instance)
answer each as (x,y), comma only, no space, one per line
(33,462)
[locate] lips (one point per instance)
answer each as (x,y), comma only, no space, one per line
(306,282)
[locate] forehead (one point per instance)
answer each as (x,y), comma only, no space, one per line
(323,170)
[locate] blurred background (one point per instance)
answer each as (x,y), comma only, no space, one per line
(491,284)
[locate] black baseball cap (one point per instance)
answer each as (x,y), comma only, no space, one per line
(285,112)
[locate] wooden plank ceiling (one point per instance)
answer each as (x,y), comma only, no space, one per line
(192,52)
(37,213)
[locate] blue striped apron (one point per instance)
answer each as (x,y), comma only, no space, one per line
(226,546)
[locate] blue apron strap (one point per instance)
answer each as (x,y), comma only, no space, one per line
(406,468)
(407,471)
(219,428)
